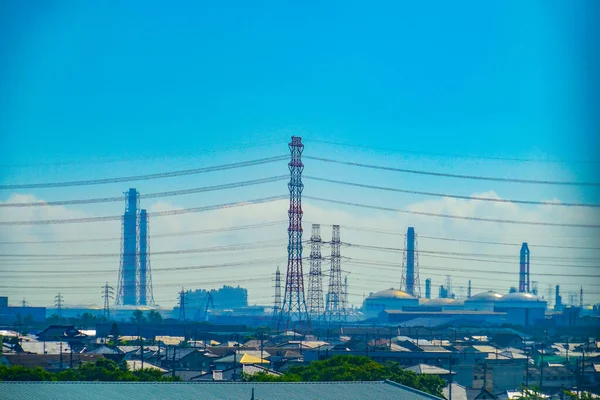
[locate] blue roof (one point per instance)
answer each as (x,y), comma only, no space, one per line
(209,390)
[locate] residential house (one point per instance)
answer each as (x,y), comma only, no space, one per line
(48,362)
(186,359)
(431,370)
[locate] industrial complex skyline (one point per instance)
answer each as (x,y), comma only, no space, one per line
(480,142)
(251,245)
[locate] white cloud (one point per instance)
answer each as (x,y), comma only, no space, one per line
(363,278)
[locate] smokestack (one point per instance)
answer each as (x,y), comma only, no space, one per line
(524,269)
(126,293)
(581,297)
(428,288)
(469,290)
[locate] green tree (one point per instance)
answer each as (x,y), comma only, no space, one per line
(355,368)
(114,332)
(88,320)
(154,317)
(102,370)
(18,373)
(581,396)
(138,317)
(54,319)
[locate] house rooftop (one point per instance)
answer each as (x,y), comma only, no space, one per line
(380,390)
(426,369)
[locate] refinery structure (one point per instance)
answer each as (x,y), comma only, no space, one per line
(423,318)
(313,290)
(135,277)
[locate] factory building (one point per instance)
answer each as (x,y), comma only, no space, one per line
(484,301)
(521,308)
(489,307)
(12,315)
(440,304)
(390,299)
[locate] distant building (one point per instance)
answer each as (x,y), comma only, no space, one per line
(390,299)
(12,315)
(484,301)
(227,297)
(522,308)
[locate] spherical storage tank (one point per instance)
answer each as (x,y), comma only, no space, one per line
(390,299)
(484,301)
(522,308)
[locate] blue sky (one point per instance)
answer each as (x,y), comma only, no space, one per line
(163,88)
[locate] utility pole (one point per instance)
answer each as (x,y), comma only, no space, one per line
(527,371)
(234,363)
(450,385)
(61,359)
(107,295)
(262,339)
(71,355)
(141,350)
(542,361)
(173,372)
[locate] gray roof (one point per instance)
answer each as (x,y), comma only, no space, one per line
(458,392)
(209,390)
(429,370)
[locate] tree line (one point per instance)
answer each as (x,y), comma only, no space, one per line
(102,370)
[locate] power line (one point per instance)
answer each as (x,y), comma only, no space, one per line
(239,246)
(455,253)
(503,221)
(171,269)
(150,195)
(453,155)
(445,269)
(446,175)
(453,196)
(509,244)
(195,152)
(397,233)
(254,278)
(182,233)
(152,214)
(132,178)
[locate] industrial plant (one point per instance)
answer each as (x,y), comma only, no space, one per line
(484,342)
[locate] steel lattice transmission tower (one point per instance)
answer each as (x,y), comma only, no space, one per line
(277,302)
(145,295)
(315,277)
(182,305)
(107,295)
(410,281)
(126,290)
(294,309)
(336,308)
(58,302)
